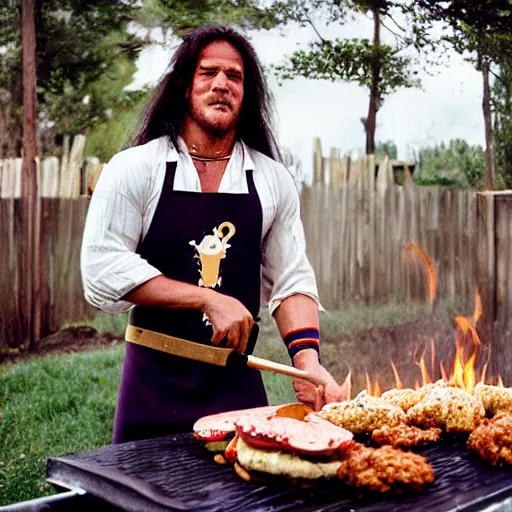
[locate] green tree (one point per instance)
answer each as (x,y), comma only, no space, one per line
(481,30)
(502,128)
(386,148)
(456,165)
(86,57)
(380,67)
(183,15)
(81,45)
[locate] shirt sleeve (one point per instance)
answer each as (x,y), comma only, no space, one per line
(286,269)
(110,266)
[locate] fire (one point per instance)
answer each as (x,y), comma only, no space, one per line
(399,384)
(374,388)
(429,267)
(463,369)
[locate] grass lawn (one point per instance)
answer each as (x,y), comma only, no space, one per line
(61,404)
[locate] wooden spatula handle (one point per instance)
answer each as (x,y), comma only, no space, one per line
(271,366)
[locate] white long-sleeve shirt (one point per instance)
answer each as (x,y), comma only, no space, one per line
(124,202)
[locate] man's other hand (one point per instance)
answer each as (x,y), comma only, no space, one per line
(230,319)
(317,396)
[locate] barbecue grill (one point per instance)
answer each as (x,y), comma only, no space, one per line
(176,473)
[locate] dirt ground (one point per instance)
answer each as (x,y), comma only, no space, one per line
(369,351)
(68,340)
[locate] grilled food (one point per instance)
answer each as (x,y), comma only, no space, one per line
(311,436)
(282,463)
(364,413)
(405,437)
(220,427)
(403,398)
(492,440)
(451,409)
(494,398)
(290,441)
(384,469)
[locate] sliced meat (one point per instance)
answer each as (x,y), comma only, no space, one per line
(314,435)
(219,426)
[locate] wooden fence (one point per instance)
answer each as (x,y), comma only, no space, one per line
(61,292)
(358,234)
(64,187)
(357,219)
(360,224)
(70,176)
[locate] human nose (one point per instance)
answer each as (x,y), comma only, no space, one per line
(220,82)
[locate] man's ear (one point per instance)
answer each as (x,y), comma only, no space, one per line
(187,93)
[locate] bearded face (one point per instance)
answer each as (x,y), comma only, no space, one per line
(217,90)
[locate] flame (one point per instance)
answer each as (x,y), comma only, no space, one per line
(424,372)
(478,308)
(347,384)
(398,381)
(429,267)
(444,375)
(484,374)
(464,373)
(369,387)
(373,389)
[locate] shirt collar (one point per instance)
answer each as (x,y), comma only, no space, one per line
(248,164)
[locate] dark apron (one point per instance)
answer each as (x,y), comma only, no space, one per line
(161,394)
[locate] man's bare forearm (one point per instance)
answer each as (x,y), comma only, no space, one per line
(168,293)
(298,312)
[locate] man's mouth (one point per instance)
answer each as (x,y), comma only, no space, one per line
(220,103)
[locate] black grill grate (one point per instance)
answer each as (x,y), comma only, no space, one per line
(176,473)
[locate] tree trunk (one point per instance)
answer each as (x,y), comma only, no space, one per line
(371,122)
(486,106)
(29,172)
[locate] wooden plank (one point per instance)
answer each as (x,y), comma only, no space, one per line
(486,272)
(49,177)
(317,160)
(64,161)
(503,331)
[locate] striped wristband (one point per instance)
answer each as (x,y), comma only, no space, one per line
(301,339)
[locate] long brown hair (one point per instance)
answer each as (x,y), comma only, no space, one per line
(166,109)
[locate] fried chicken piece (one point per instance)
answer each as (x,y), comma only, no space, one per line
(403,398)
(364,413)
(492,440)
(448,408)
(384,469)
(405,436)
(494,398)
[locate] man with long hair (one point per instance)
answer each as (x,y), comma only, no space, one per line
(191,229)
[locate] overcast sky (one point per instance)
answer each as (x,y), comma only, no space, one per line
(447,106)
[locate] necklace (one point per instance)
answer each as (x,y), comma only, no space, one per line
(210,158)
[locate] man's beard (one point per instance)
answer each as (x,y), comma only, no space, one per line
(217,130)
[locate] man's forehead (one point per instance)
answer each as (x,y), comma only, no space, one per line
(220,53)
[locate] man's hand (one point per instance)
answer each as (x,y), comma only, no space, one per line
(230,319)
(317,396)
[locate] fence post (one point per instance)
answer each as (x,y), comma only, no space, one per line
(486,272)
(503,302)
(318,161)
